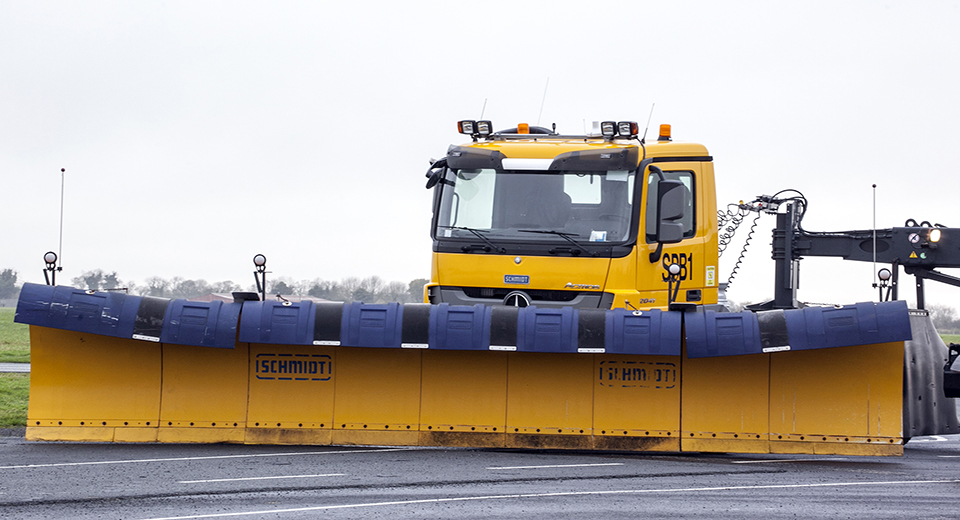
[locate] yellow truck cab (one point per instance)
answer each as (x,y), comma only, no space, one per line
(527,216)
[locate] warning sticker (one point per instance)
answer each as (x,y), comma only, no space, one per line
(711,276)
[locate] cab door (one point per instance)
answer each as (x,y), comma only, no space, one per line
(694,254)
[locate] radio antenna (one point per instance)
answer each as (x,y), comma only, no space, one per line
(644,139)
(484,109)
(874,234)
(60,248)
(542,101)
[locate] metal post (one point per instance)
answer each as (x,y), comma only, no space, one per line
(919,293)
(785,290)
(895,267)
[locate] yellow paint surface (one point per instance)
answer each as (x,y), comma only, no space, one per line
(199,434)
(377,389)
(550,393)
(92,379)
(849,395)
(725,399)
(464,391)
(204,386)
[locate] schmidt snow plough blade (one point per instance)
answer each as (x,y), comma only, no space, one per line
(817,380)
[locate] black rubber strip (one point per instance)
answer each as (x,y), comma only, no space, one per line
(704,158)
(149,322)
(415,329)
(773,329)
(503,326)
(326,325)
(591,329)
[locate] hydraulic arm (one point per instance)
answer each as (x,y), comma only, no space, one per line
(919,248)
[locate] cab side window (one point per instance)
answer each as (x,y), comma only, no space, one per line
(688,220)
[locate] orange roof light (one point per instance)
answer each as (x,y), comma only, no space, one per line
(523,128)
(665,133)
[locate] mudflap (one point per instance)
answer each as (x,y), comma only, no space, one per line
(926,410)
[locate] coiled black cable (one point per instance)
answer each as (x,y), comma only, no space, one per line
(728,222)
(743,252)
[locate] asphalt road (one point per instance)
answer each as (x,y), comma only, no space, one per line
(150,481)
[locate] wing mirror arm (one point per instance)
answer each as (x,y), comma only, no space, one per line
(436,172)
(655,255)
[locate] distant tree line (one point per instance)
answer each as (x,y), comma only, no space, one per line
(179,287)
(944,318)
(369,290)
(8,284)
(372,289)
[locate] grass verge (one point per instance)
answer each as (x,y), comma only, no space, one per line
(14,338)
(14,389)
(950,338)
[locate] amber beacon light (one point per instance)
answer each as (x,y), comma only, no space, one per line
(665,133)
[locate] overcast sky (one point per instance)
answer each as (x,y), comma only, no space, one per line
(197,134)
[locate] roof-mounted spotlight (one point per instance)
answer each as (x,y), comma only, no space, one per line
(467,126)
(628,128)
(484,128)
(475,129)
(608,129)
(933,235)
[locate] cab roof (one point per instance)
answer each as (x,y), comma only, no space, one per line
(548,147)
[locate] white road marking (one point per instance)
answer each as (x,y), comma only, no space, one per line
(559,494)
(558,466)
(212,457)
(929,438)
(256,478)
(782,460)
(949,456)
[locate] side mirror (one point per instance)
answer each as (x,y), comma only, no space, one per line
(436,172)
(671,203)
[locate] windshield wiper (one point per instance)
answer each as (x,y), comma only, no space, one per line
(565,236)
(477,233)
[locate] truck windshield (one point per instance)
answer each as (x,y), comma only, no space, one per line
(585,206)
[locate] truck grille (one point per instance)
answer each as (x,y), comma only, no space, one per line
(536,294)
